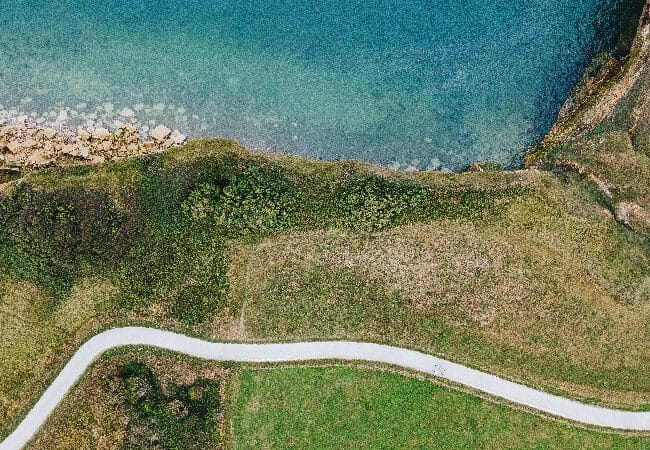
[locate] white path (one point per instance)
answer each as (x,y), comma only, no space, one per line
(552,404)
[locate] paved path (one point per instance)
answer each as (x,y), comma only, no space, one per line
(552,404)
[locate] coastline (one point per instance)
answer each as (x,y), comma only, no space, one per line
(27,145)
(596,96)
(29,140)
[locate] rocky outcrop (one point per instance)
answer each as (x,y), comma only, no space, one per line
(26,145)
(598,95)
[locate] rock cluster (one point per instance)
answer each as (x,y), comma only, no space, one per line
(26,145)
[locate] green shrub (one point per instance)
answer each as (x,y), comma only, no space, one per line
(373,203)
(44,235)
(179,416)
(257,201)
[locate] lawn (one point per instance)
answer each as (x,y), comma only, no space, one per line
(342,407)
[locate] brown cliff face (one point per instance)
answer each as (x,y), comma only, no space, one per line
(598,95)
(603,135)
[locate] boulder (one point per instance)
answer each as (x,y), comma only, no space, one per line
(160,133)
(177,137)
(39,159)
(126,112)
(49,133)
(13,147)
(101,133)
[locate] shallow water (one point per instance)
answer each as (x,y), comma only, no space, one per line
(437,83)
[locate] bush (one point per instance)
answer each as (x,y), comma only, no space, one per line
(373,203)
(257,201)
(43,235)
(184,417)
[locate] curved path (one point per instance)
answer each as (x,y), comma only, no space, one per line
(552,404)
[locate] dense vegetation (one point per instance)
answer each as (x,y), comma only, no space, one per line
(180,416)
(167,236)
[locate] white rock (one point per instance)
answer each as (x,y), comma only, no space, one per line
(160,133)
(109,107)
(139,106)
(177,137)
(434,164)
(159,107)
(126,112)
(14,146)
(63,116)
(83,153)
(101,133)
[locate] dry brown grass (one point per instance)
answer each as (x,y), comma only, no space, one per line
(538,280)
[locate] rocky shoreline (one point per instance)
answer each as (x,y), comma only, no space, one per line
(32,141)
(27,145)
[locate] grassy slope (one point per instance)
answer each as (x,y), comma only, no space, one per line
(525,274)
(345,408)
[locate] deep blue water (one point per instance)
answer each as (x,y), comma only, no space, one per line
(437,83)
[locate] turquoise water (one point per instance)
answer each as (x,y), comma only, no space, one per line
(436,83)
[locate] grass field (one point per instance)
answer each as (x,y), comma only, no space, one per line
(331,407)
(342,407)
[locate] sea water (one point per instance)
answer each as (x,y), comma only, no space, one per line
(409,83)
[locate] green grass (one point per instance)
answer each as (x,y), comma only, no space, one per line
(227,244)
(352,408)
